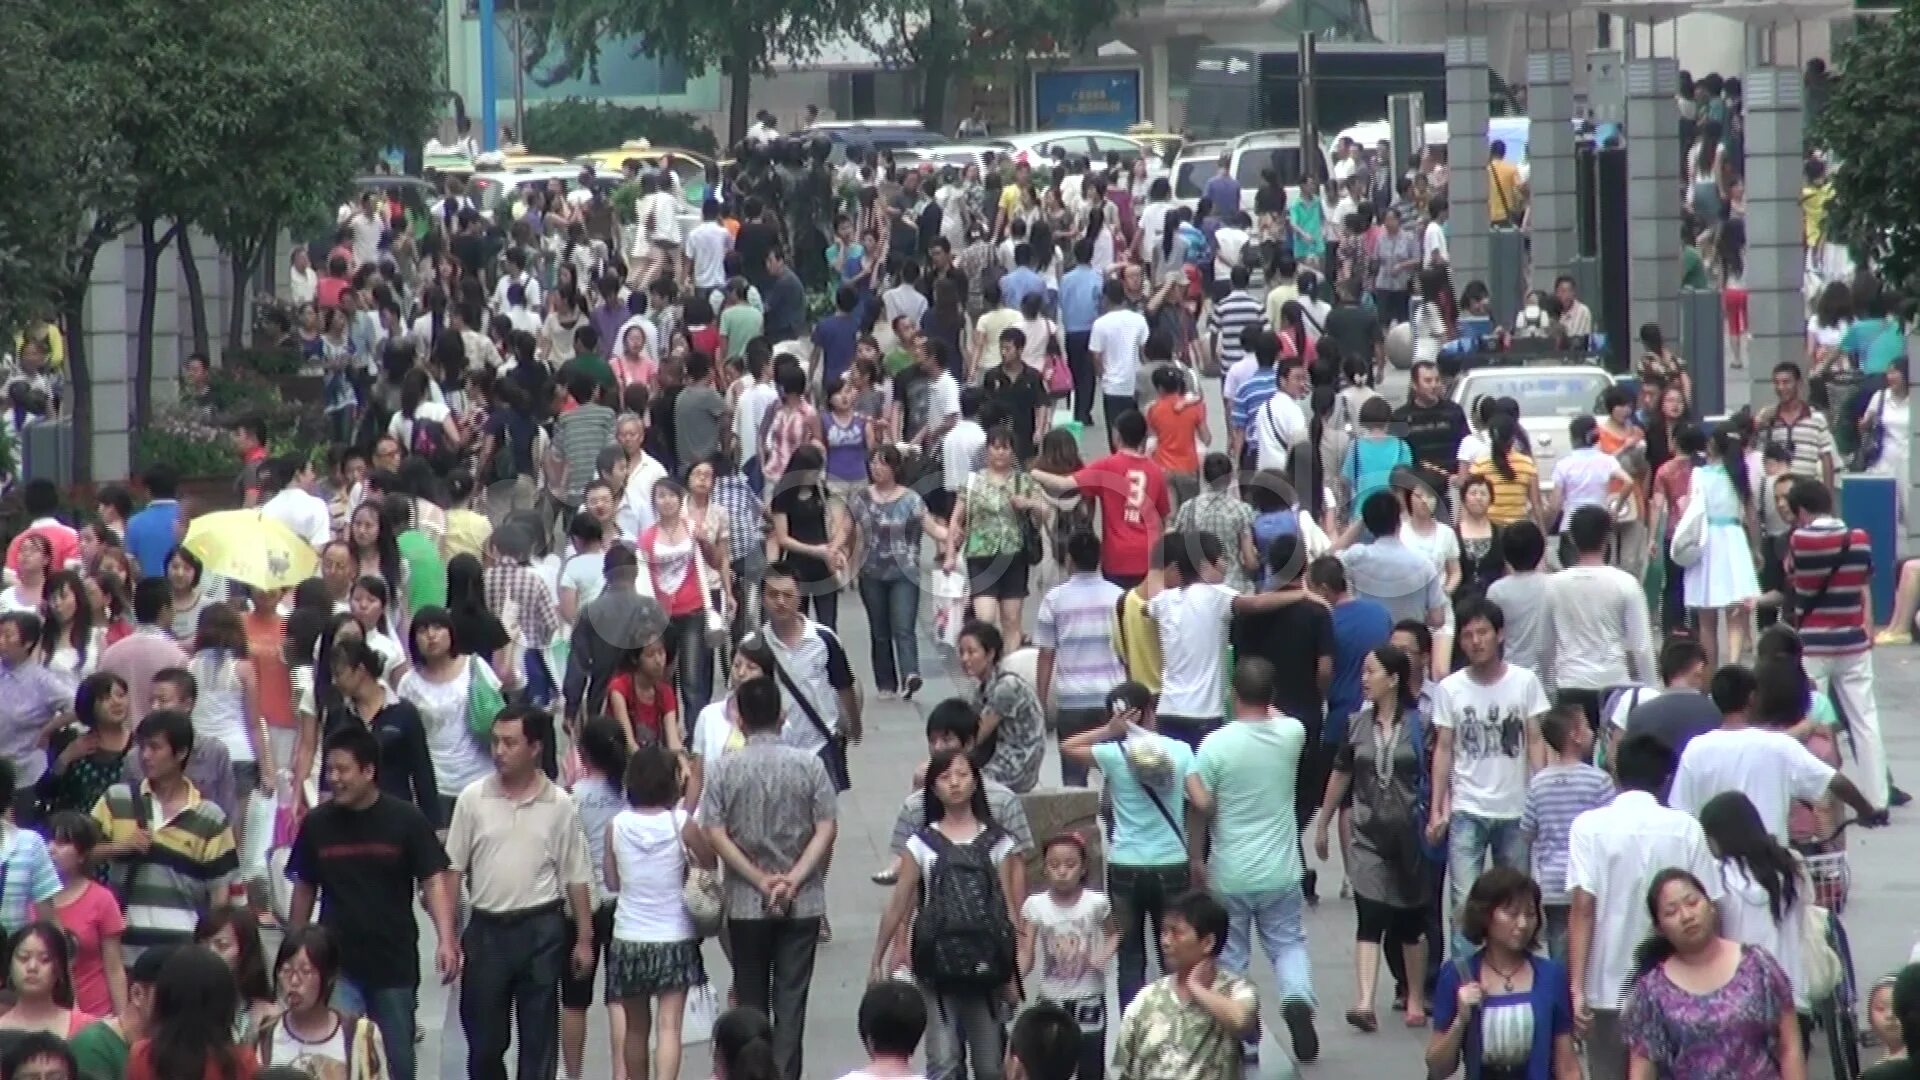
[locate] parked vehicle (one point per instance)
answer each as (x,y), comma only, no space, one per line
(1194,166)
(873,135)
(1279,149)
(1550,396)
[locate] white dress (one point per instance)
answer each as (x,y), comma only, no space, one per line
(1724,576)
(1896,424)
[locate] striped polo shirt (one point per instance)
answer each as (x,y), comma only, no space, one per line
(1807,438)
(1231,316)
(1555,796)
(1253,395)
(1076,621)
(191,863)
(1830,565)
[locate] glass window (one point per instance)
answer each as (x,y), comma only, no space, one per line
(1283,159)
(1566,394)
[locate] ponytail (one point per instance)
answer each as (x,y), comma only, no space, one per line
(743,1045)
(1733,458)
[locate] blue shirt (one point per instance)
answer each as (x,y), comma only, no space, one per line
(1079,299)
(1224,190)
(1253,395)
(837,336)
(1551,998)
(150,535)
(1359,627)
(1017,283)
(1142,836)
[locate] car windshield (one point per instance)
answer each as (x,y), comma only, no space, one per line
(1190,176)
(1563,393)
(1284,160)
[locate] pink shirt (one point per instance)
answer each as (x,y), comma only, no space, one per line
(93,917)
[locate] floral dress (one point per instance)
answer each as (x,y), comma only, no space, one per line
(1732,1033)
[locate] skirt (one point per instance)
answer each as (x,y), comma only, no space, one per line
(1724,576)
(644,968)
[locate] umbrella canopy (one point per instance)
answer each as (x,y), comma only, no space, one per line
(250,547)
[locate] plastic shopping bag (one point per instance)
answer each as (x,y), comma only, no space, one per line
(949,591)
(261,811)
(703,1010)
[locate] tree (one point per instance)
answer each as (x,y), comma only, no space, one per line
(1871,129)
(742,38)
(945,40)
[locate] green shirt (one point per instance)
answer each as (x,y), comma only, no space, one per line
(1251,767)
(900,360)
(592,365)
(100,1051)
(739,324)
(426,570)
(1693,269)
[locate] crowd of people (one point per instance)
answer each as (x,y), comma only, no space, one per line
(569,671)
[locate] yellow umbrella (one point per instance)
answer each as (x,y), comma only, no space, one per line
(250,547)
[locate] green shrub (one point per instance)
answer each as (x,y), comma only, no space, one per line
(574,126)
(268,363)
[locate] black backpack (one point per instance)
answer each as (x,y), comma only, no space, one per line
(963,937)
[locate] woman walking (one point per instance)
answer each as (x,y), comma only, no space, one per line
(1721,584)
(191,1033)
(888,520)
(602,748)
(990,526)
(1506,1010)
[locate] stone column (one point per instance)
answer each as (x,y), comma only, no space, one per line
(108,320)
(1653,196)
(1550,164)
(1467,108)
(1775,310)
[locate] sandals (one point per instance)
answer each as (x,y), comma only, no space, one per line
(1364,1019)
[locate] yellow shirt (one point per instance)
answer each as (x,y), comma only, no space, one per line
(467,533)
(1138,639)
(1010,200)
(1503,190)
(1813,211)
(1509,496)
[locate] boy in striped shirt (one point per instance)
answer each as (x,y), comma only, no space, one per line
(1568,787)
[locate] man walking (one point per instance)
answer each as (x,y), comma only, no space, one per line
(517,842)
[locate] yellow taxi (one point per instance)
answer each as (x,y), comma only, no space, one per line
(1164,144)
(690,167)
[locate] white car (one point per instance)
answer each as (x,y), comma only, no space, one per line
(1549,396)
(1193,167)
(956,155)
(1037,147)
(1279,149)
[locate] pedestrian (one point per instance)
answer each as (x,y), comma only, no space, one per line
(1191,1022)
(1567,787)
(892,1018)
(1078,660)
(360,855)
(770,807)
(101,1048)
(191,1034)
(1068,934)
(310,1033)
(1523,1026)
(90,916)
(888,520)
(516,840)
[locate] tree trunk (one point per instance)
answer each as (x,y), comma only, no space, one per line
(942,34)
(244,260)
(152,245)
(739,87)
(196,297)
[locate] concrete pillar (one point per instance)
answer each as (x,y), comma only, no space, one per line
(1467,109)
(1550,163)
(1776,309)
(108,320)
(1653,196)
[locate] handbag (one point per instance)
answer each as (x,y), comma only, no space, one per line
(1689,541)
(1059,372)
(1873,440)
(484,700)
(834,754)
(1818,959)
(702,894)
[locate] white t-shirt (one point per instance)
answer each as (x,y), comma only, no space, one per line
(1440,546)
(586,575)
(1597,627)
(305,514)
(862,1074)
(1278,427)
(458,758)
(1228,242)
(1746,916)
(1473,448)
(646,850)
(1117,339)
(1433,245)
(1771,767)
(755,400)
(401,426)
(707,246)
(1489,725)
(327,1057)
(960,454)
(1192,622)
(1066,944)
(1583,478)
(665,210)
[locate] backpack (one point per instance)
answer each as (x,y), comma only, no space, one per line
(428,439)
(963,937)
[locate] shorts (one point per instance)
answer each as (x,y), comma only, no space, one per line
(645,968)
(997,577)
(1379,922)
(1734,303)
(576,992)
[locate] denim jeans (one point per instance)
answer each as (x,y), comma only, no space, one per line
(693,665)
(1139,894)
(392,1009)
(893,612)
(1470,840)
(773,973)
(964,1029)
(1276,915)
(516,963)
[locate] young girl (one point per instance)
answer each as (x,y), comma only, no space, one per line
(39,962)
(30,581)
(847,256)
(641,698)
(1069,930)
(847,434)
(90,915)
(231,934)
(228,708)
(70,644)
(311,1036)
(183,581)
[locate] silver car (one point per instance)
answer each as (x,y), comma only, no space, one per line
(1549,397)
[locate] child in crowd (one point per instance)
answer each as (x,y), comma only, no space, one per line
(1069,931)
(1568,787)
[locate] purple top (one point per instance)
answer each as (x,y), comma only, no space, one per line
(846,448)
(1732,1033)
(30,695)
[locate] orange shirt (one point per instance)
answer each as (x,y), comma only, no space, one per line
(266,638)
(1174,423)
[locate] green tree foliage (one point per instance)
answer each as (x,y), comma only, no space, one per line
(742,38)
(1872,132)
(575,126)
(945,40)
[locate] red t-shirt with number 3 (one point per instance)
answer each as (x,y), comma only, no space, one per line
(1132,493)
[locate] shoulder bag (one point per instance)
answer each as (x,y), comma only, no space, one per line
(703,895)
(834,754)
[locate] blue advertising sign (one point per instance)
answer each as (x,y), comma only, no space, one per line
(1103,100)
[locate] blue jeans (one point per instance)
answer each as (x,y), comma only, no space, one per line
(893,612)
(1470,840)
(392,1009)
(1277,915)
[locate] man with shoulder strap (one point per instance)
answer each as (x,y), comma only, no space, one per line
(1282,422)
